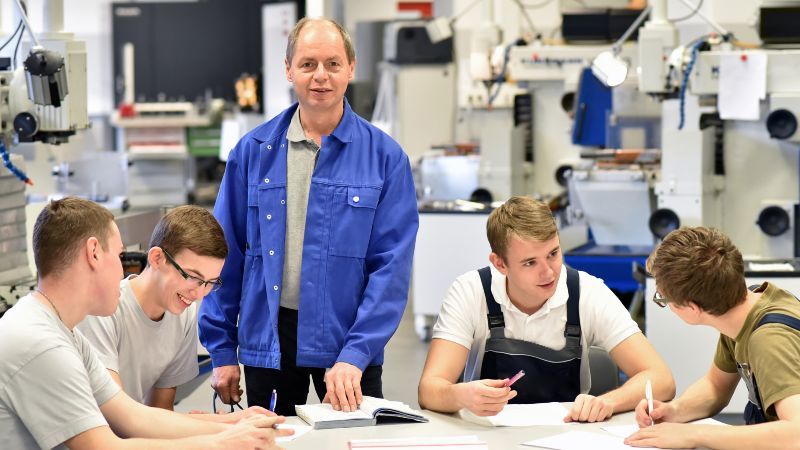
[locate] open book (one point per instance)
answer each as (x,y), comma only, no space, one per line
(371,412)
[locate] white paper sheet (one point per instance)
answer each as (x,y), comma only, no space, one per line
(742,84)
(521,415)
(624,431)
(572,440)
(299,430)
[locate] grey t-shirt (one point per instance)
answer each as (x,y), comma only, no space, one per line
(300,162)
(51,381)
(146,354)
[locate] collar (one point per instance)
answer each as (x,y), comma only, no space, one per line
(343,132)
(559,298)
(295,133)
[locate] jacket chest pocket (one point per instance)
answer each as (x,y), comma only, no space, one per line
(253,244)
(352,215)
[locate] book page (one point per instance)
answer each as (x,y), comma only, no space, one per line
(324,412)
(371,404)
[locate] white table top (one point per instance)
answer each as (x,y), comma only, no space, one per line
(443,425)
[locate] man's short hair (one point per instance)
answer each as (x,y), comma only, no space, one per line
(62,228)
(190,228)
(294,35)
(699,265)
(522,216)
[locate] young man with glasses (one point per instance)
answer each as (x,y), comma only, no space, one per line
(54,391)
(149,345)
(699,275)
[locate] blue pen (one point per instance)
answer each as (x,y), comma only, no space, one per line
(273,400)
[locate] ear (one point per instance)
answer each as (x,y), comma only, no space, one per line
(288,72)
(498,263)
(696,310)
(92,251)
(155,257)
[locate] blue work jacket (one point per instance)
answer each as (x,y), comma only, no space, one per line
(361,225)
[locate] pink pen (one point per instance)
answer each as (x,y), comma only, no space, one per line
(514,379)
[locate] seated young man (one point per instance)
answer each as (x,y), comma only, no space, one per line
(149,344)
(54,392)
(699,274)
(544,317)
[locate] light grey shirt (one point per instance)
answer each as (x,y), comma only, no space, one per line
(145,353)
(51,381)
(300,162)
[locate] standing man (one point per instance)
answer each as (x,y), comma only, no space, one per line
(319,211)
(529,311)
(699,274)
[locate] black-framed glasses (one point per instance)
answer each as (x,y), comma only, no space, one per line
(659,299)
(214,403)
(201,283)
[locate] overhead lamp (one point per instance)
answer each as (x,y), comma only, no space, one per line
(608,67)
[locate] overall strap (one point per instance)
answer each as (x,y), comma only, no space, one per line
(573,328)
(495,314)
(783,319)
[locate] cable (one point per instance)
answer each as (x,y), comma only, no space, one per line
(616,47)
(501,77)
(24,15)
(11,167)
(464,11)
(685,82)
(541,4)
(522,10)
(11,38)
(16,48)
(691,14)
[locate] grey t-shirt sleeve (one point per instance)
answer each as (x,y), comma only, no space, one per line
(58,404)
(103,334)
(184,366)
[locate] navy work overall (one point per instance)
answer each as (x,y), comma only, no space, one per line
(550,375)
(754,411)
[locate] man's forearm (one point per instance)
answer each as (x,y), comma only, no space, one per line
(216,418)
(699,401)
(159,423)
(627,396)
(438,394)
(767,436)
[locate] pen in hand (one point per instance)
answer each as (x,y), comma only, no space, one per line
(648,394)
(514,379)
(273,401)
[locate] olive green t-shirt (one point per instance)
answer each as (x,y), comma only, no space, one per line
(772,351)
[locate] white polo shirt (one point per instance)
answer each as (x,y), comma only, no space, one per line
(604,321)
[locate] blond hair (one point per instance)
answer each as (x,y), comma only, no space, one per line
(522,216)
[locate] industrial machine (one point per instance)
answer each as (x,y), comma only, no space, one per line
(42,98)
